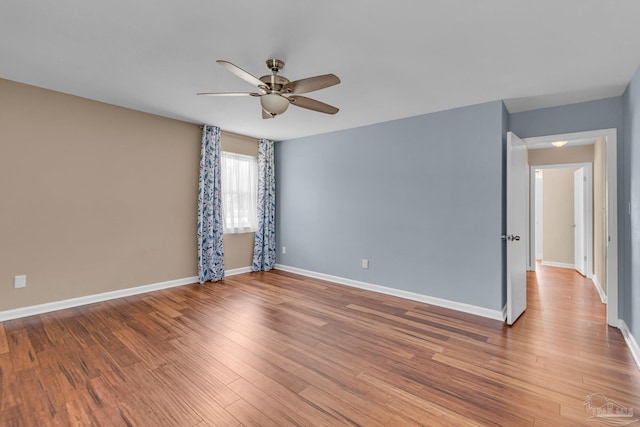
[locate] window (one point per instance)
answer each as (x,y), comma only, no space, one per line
(239,192)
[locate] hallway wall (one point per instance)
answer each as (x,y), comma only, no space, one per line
(557,213)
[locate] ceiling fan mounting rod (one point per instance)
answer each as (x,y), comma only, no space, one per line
(275,65)
(275,88)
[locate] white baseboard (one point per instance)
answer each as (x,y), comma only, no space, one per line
(90,299)
(453,305)
(105,296)
(504,312)
(558,264)
(235,271)
(631,342)
(599,289)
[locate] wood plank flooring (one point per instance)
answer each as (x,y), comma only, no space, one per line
(277,349)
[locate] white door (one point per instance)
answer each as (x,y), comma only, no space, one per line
(579,220)
(539,221)
(517,226)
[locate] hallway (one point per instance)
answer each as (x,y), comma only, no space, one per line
(564,339)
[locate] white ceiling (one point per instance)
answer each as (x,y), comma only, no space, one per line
(396,58)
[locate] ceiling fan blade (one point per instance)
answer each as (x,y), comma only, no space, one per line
(310,84)
(229,94)
(312,104)
(250,78)
(266,115)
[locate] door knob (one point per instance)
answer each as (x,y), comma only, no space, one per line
(509,237)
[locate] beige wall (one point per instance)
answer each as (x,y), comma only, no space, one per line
(97,198)
(577,154)
(94,198)
(600,213)
(555,156)
(557,212)
(238,248)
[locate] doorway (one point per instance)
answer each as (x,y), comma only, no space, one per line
(567,203)
(610,209)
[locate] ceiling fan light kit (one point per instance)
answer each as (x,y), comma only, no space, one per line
(273,89)
(274,103)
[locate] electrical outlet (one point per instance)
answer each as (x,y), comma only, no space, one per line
(284,250)
(365,263)
(20,281)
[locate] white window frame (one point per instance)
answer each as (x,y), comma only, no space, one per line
(239,179)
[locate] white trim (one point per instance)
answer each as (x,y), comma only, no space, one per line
(574,138)
(558,264)
(236,271)
(598,286)
(453,305)
(91,299)
(588,220)
(504,312)
(32,310)
(631,341)
(612,226)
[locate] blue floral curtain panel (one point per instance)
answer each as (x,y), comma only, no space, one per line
(210,226)
(264,248)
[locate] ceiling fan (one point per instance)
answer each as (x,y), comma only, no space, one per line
(276,92)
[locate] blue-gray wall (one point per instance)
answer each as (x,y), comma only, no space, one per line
(585,116)
(421,198)
(631,232)
(594,115)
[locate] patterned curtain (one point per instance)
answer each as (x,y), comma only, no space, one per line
(210,244)
(264,248)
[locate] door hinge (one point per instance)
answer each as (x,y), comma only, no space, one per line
(585,257)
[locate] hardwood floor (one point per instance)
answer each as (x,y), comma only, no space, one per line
(280,349)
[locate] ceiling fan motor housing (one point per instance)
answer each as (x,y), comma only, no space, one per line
(274,81)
